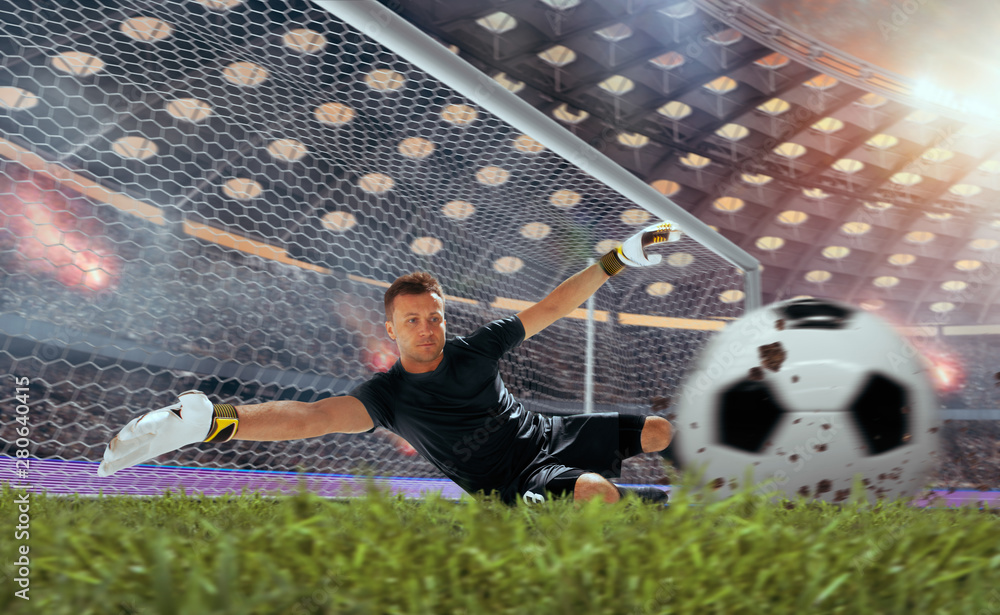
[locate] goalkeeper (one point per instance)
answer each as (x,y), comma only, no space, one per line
(447,399)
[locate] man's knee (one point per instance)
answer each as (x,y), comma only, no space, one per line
(656,434)
(589,486)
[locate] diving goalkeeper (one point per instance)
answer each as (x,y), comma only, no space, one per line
(447,399)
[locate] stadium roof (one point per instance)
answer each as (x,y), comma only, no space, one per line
(845,179)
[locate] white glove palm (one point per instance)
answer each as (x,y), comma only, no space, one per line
(632,252)
(161,431)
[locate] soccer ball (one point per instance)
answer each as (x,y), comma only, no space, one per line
(809,395)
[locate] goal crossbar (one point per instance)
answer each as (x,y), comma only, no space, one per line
(393,32)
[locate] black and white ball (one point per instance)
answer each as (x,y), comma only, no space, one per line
(809,394)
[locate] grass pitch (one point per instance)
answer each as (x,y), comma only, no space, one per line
(382,554)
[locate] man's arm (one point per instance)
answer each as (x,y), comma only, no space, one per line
(564,299)
(195,419)
(292,420)
(574,291)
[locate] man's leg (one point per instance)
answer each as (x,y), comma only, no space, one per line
(558,481)
(555,481)
(590,485)
(641,434)
(656,434)
(577,439)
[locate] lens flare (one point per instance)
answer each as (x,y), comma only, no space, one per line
(947,373)
(54,239)
(379,356)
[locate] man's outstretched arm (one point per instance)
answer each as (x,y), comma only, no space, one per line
(293,420)
(570,294)
(564,299)
(195,419)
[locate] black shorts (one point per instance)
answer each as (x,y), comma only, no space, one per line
(576,445)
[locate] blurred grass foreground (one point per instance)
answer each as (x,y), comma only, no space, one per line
(384,554)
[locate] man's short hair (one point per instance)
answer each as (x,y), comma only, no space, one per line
(416,283)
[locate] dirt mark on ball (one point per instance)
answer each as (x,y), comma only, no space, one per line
(772,356)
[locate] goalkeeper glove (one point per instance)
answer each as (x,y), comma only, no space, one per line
(192,419)
(633,253)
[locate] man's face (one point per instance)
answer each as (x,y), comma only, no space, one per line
(417,327)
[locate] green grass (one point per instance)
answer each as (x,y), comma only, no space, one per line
(380,554)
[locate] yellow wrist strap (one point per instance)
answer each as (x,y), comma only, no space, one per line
(611,263)
(224,423)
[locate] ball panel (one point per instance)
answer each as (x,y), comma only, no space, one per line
(808,382)
(749,414)
(880,412)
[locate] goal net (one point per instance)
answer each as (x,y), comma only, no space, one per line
(214,195)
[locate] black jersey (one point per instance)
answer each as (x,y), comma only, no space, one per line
(460,416)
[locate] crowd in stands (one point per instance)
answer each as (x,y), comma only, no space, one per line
(970,455)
